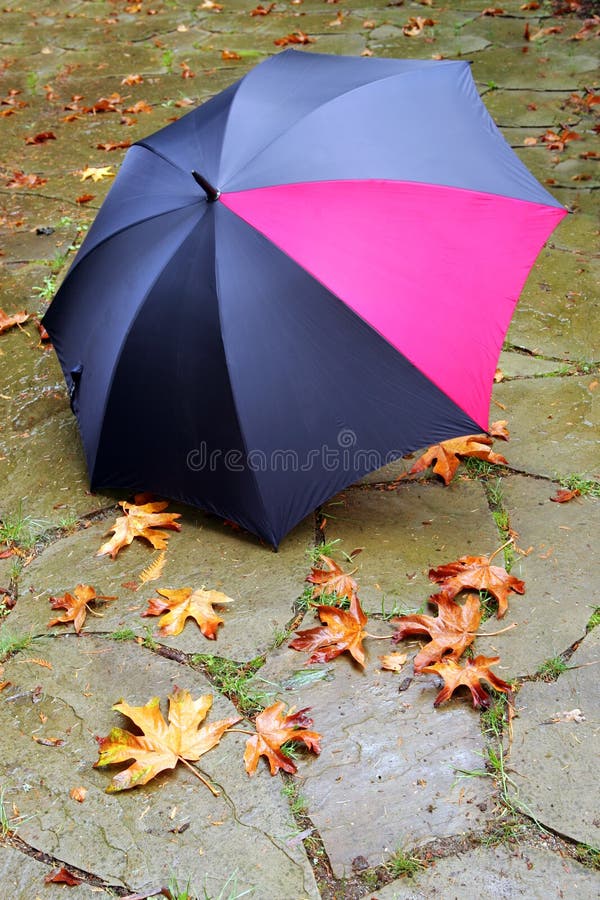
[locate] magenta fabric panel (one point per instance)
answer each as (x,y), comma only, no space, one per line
(435,270)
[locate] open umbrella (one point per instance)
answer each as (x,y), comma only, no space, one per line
(304,278)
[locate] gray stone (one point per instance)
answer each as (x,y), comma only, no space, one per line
(521,365)
(551,763)
(554,425)
(22,878)
(558,574)
(405,532)
(529,873)
(387,774)
(263,584)
(132,838)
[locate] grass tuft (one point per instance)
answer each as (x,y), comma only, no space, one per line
(403,865)
(233,680)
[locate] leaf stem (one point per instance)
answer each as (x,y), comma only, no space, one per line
(500,549)
(240,731)
(493,633)
(377,637)
(204,781)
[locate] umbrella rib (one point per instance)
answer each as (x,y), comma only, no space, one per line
(161,155)
(124,342)
(358,87)
(233,397)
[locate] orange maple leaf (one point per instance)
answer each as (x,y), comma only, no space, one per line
(343,630)
(145,521)
(76,605)
(275,729)
(331,580)
(7,322)
(477,574)
(447,455)
(474,671)
(161,746)
(453,629)
(184,603)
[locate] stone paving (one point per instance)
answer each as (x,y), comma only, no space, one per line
(405,801)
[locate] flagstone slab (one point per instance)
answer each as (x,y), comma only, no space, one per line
(521,365)
(551,762)
(22,878)
(142,836)
(263,584)
(404,533)
(559,574)
(386,777)
(554,425)
(530,873)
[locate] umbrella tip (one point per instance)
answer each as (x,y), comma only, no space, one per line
(211,192)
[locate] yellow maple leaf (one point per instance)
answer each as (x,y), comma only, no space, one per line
(181,604)
(96,173)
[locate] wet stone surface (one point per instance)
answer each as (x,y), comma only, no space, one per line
(558,603)
(527,872)
(385,780)
(386,777)
(546,752)
(135,838)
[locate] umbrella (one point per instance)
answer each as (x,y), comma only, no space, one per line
(306,277)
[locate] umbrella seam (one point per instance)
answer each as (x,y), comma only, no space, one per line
(233,397)
(124,342)
(320,106)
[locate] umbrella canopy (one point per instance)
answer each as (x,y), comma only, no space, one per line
(308,276)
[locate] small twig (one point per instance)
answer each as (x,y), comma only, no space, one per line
(493,633)
(240,731)
(204,781)
(500,549)
(594,662)
(378,637)
(98,615)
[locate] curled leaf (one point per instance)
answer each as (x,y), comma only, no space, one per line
(471,675)
(451,631)
(145,521)
(273,729)
(329,578)
(477,573)
(343,630)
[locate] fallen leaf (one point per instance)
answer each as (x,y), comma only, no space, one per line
(84,198)
(445,456)
(145,521)
(492,11)
(571,715)
(473,672)
(78,793)
(453,629)
(114,145)
(530,141)
(477,574)
(275,729)
(20,179)
(186,72)
(154,570)
(296,37)
(140,107)
(76,605)
(8,322)
(186,603)
(41,138)
(38,661)
(499,431)
(96,173)
(329,578)
(261,10)
(343,630)
(415,26)
(132,79)
(563,495)
(48,742)
(210,4)
(160,746)
(393,662)
(62,876)
(103,105)
(230,54)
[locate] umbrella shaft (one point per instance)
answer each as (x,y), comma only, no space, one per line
(211,192)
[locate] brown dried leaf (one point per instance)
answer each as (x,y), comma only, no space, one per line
(76,605)
(445,457)
(275,729)
(453,629)
(41,138)
(78,793)
(477,574)
(296,37)
(563,495)
(330,579)
(343,630)
(474,671)
(185,603)
(8,322)
(62,876)
(393,662)
(145,521)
